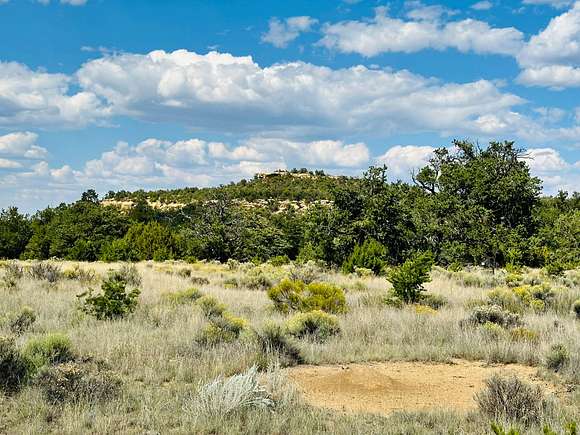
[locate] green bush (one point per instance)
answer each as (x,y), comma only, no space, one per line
(23,321)
(576,308)
(279,260)
(316,324)
(48,350)
(408,279)
(14,368)
(370,255)
(114,302)
(558,357)
(509,398)
(222,329)
(297,296)
(73,382)
(494,314)
(183,296)
(210,306)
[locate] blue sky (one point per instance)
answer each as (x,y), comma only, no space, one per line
(127,94)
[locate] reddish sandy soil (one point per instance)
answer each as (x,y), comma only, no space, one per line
(383,388)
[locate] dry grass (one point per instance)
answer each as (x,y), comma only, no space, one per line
(155,353)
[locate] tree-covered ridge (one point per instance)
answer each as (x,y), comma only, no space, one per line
(469,205)
(295,185)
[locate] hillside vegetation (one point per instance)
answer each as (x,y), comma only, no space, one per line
(468,206)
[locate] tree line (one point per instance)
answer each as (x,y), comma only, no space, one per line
(468,205)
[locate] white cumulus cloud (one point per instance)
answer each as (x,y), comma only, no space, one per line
(385,34)
(281,33)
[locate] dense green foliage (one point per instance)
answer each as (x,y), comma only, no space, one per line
(298,296)
(370,255)
(469,205)
(408,278)
(113,303)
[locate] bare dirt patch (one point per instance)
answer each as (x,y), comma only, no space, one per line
(383,388)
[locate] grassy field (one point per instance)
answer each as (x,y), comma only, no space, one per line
(158,356)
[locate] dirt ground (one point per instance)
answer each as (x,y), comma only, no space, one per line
(383,388)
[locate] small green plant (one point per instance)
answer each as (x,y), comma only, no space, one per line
(183,296)
(316,324)
(558,357)
(23,321)
(298,296)
(509,398)
(370,255)
(14,368)
(497,429)
(114,302)
(408,279)
(48,350)
(210,306)
(73,382)
(222,329)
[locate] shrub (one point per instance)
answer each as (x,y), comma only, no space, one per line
(370,255)
(184,272)
(46,271)
(316,324)
(493,330)
(12,275)
(128,273)
(558,357)
(511,399)
(210,306)
(576,308)
(230,395)
(279,260)
(554,268)
(183,296)
(272,340)
(82,275)
(73,382)
(325,297)
(48,350)
(199,280)
(524,334)
(220,329)
(297,296)
(408,279)
(114,302)
(432,300)
(256,280)
(493,314)
(306,272)
(14,369)
(23,321)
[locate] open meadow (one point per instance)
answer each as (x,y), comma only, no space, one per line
(203,349)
